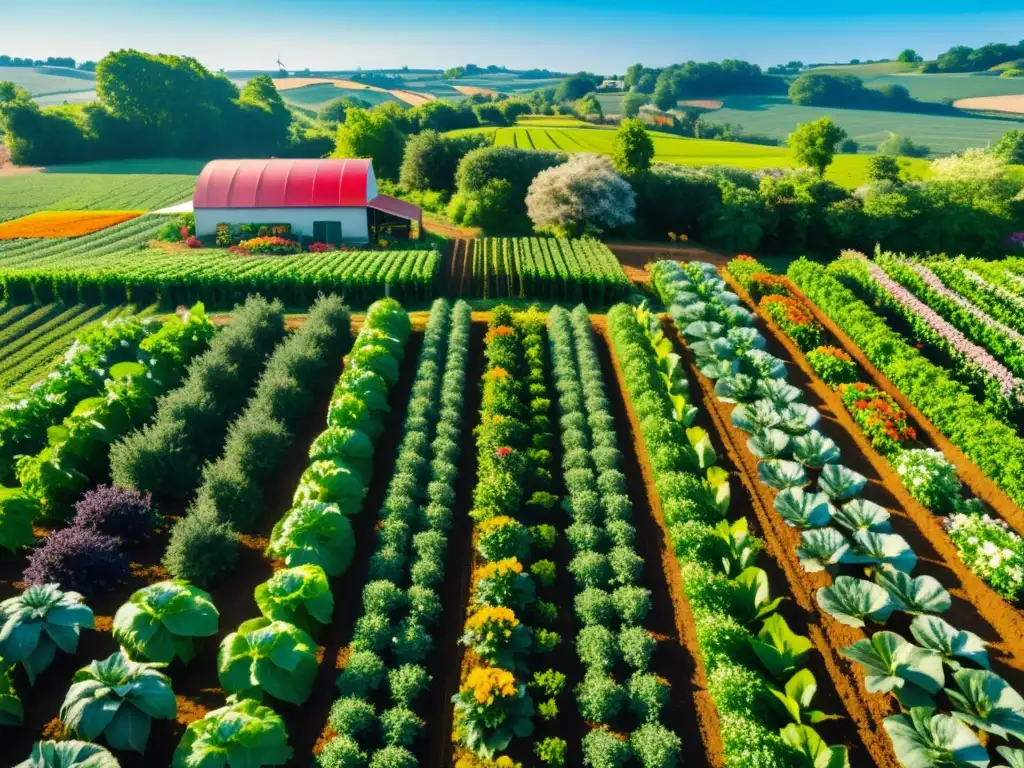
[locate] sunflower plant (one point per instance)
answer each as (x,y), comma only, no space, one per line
(490,708)
(497,636)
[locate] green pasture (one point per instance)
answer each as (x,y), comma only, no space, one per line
(40,83)
(611,103)
(775,116)
(114,185)
(865,71)
(321,94)
(953,86)
(849,171)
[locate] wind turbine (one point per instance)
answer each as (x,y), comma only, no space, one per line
(280,64)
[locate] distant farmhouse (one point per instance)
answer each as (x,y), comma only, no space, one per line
(329,201)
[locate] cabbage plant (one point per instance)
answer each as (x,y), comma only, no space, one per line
(68,754)
(314,533)
(923,594)
(755,418)
(887,548)
(892,664)
(268,656)
(241,734)
(778,392)
(841,482)
(798,418)
(850,601)
(863,515)
(937,634)
(38,622)
(986,701)
(769,444)
(118,699)
(821,548)
(781,474)
(923,738)
(738,388)
(300,595)
(159,622)
(815,450)
(18,510)
(803,509)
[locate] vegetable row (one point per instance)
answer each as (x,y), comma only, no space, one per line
(843,533)
(380,713)
(986,544)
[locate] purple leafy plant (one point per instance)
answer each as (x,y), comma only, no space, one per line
(115,511)
(79,560)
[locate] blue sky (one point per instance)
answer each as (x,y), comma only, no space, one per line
(597,35)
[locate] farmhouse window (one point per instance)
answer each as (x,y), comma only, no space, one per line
(327,232)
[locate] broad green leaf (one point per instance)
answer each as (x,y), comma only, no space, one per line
(894,665)
(68,754)
(780,650)
(739,388)
(812,750)
(861,514)
(938,635)
(778,392)
(803,509)
(252,735)
(798,418)
(753,595)
(850,601)
(887,548)
(923,594)
(769,444)
(924,739)
(755,418)
(1014,757)
(780,474)
(814,450)
(820,548)
(986,701)
(841,482)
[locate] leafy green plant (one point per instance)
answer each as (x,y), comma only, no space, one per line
(841,482)
(796,696)
(821,548)
(118,699)
(850,601)
(892,664)
(300,596)
(923,738)
(769,443)
(551,751)
(159,622)
(885,548)
(68,754)
(244,733)
(986,701)
(753,599)
(11,711)
(923,594)
(779,648)
(38,622)
(18,510)
(268,656)
(781,474)
(811,749)
(314,533)
(815,450)
(803,509)
(863,515)
(735,547)
(939,635)
(491,708)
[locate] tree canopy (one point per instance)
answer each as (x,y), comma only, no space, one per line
(814,144)
(633,148)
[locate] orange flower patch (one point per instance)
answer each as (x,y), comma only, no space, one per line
(53,224)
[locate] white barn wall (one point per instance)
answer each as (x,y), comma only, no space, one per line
(354,226)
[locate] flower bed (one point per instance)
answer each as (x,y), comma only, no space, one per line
(882,420)
(276,246)
(59,224)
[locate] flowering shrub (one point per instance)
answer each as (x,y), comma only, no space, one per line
(502,537)
(193,242)
(833,365)
(491,708)
(277,246)
(930,478)
(795,321)
(990,549)
(503,583)
(496,636)
(882,420)
(321,247)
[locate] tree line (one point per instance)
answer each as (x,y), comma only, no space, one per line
(50,61)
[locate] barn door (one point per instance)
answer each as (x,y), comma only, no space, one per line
(327,232)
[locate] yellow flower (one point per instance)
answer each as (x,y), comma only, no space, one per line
(482,619)
(498,521)
(487,682)
(499,568)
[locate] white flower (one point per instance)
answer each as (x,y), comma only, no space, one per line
(972,540)
(901,469)
(989,549)
(1007,553)
(995,561)
(918,481)
(101,372)
(124,342)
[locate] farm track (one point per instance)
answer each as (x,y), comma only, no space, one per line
(690,710)
(445,662)
(979,483)
(923,531)
(306,723)
(866,710)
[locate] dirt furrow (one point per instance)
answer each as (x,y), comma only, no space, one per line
(866,710)
(979,604)
(692,712)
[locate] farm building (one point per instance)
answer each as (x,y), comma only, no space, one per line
(328,201)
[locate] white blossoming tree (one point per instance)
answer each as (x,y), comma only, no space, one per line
(584,195)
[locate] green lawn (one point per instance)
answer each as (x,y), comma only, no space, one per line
(774,116)
(114,185)
(848,170)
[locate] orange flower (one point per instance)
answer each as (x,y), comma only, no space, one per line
(499,332)
(497,373)
(56,224)
(835,352)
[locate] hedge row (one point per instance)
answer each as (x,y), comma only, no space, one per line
(231,495)
(379,713)
(990,443)
(166,457)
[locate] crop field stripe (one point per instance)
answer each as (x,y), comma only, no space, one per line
(39,332)
(15,331)
(920,527)
(59,333)
(14,314)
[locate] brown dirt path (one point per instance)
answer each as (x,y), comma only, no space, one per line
(979,483)
(867,711)
(691,712)
(310,719)
(922,530)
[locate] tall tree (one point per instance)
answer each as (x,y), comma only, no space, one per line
(373,135)
(814,144)
(633,148)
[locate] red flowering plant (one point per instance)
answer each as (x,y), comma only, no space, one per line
(193,242)
(795,321)
(321,247)
(277,246)
(882,420)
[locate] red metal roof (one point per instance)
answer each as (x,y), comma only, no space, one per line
(283,184)
(396,207)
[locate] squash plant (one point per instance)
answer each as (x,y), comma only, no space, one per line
(244,733)
(118,699)
(923,738)
(38,622)
(68,754)
(159,621)
(266,656)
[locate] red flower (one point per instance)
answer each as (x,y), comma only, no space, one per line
(502,452)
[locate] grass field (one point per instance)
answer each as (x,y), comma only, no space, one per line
(954,86)
(41,82)
(115,185)
(320,95)
(776,117)
(847,170)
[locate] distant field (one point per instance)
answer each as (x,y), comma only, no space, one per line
(41,82)
(776,117)
(116,185)
(611,103)
(320,95)
(1010,104)
(958,86)
(865,71)
(848,170)
(56,99)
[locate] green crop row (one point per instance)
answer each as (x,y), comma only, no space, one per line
(380,713)
(221,278)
